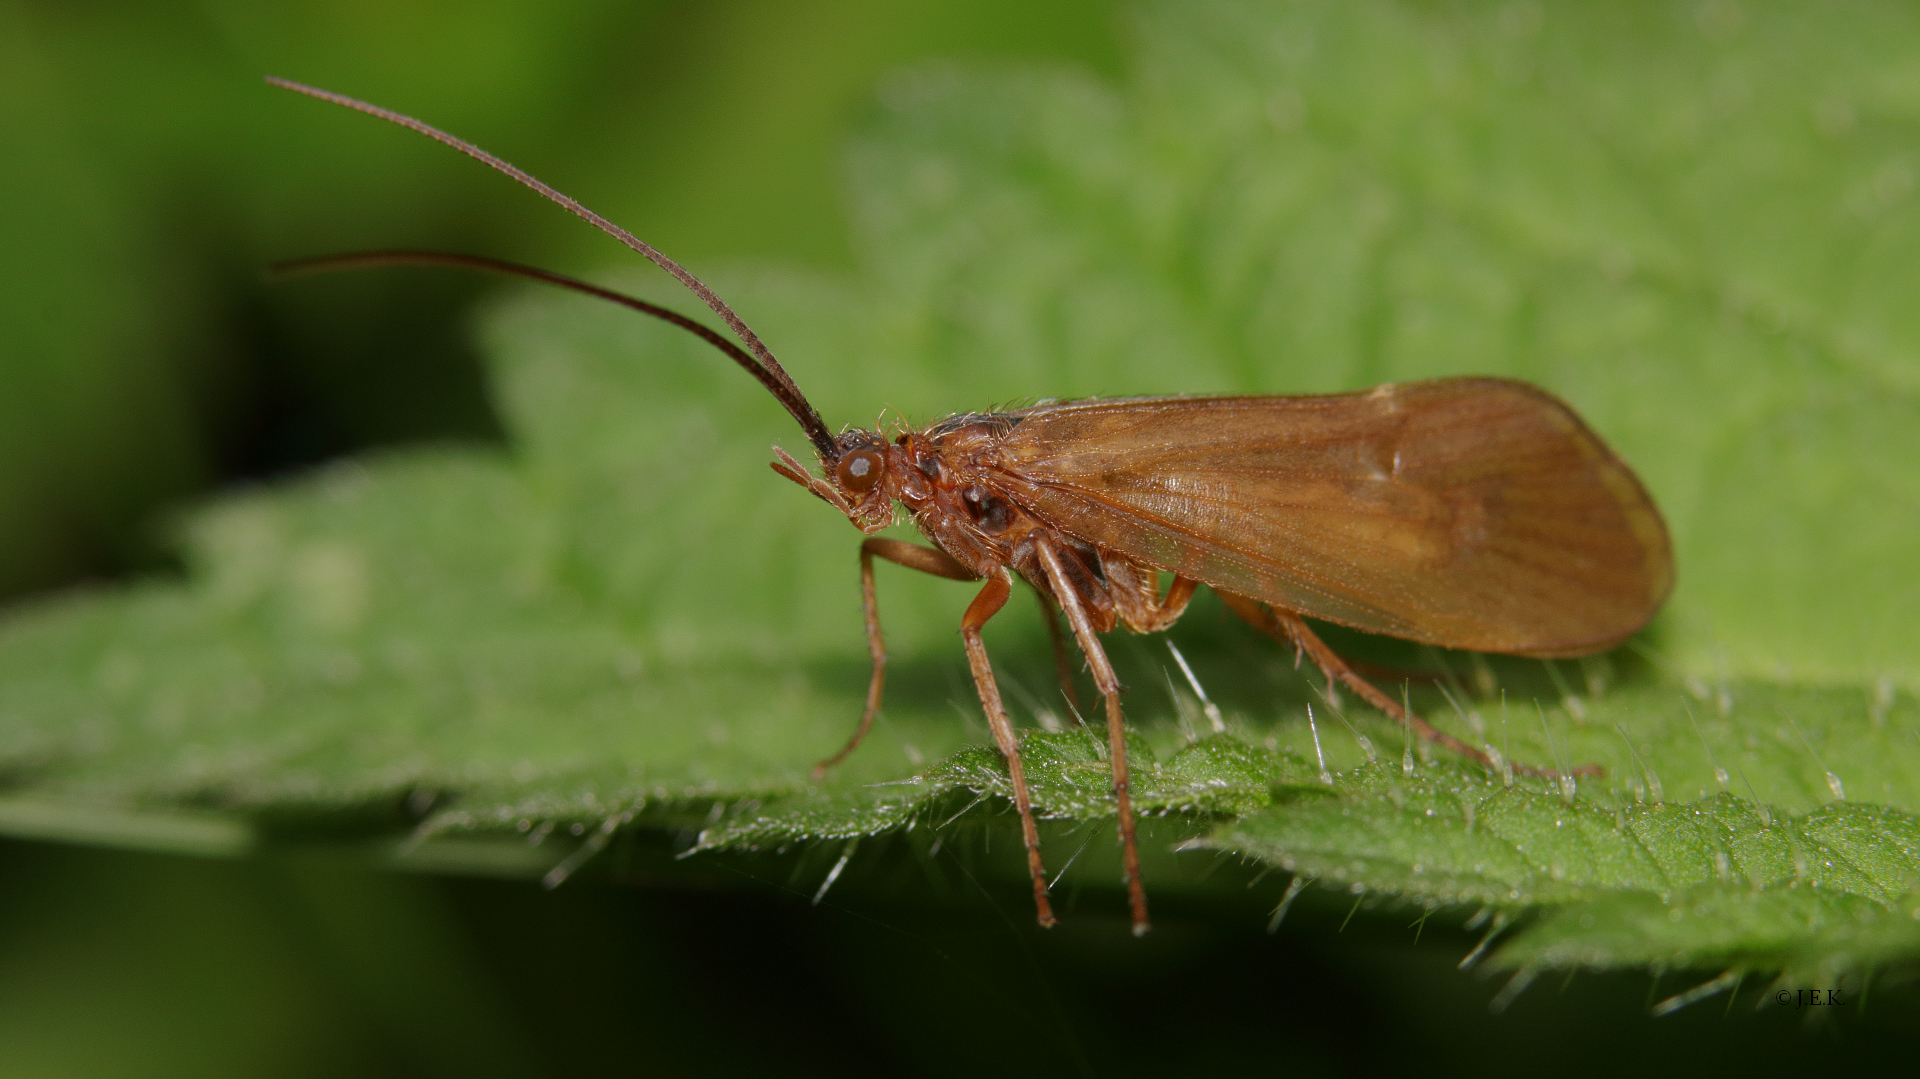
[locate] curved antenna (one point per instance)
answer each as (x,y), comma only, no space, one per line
(368,260)
(771,374)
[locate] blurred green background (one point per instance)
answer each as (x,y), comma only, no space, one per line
(148,175)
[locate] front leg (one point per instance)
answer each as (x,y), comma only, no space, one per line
(984,606)
(900,553)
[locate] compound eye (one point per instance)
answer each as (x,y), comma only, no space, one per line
(859,472)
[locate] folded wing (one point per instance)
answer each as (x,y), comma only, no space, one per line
(1470,513)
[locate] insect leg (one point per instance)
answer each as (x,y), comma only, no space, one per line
(1317,648)
(912,556)
(1288,628)
(1109,685)
(1136,595)
(1062,662)
(1171,606)
(985,606)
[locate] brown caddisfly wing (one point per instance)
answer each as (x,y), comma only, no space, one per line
(1473,513)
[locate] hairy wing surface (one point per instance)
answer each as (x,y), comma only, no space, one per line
(1472,513)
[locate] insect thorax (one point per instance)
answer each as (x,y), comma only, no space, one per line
(950,477)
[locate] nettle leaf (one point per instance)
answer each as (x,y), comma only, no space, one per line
(1697,226)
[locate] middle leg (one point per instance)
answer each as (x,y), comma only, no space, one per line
(984,606)
(1109,686)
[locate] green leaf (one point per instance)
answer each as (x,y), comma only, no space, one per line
(1694,229)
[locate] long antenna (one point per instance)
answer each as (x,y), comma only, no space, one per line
(772,375)
(367,260)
